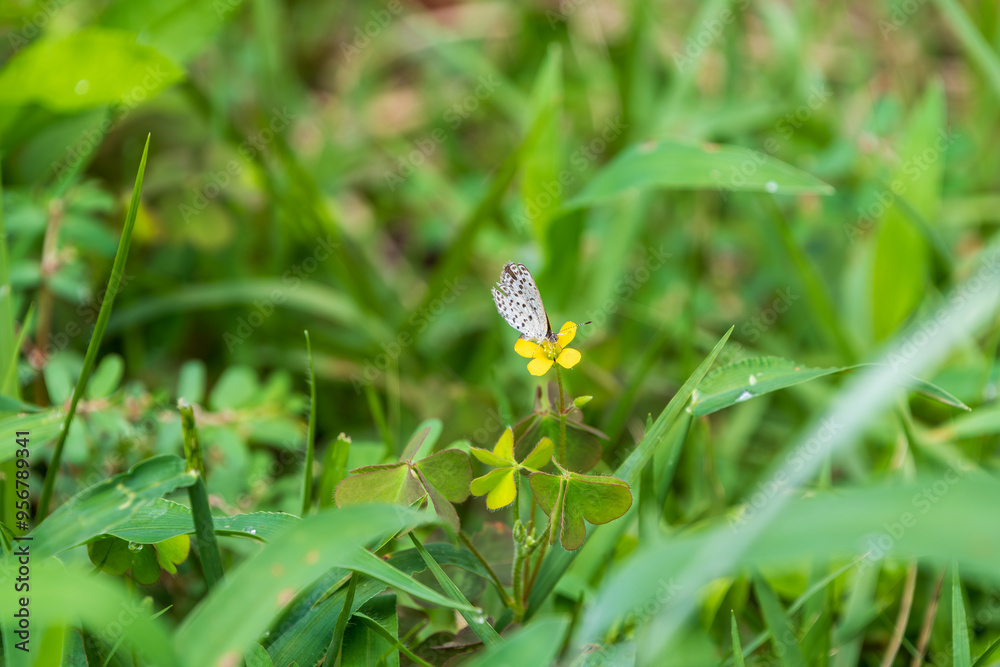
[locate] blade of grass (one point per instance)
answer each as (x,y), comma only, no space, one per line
(377,628)
(333,653)
(114,281)
(977,47)
(777,621)
(307,472)
(477,621)
(201,514)
(959,624)
(737,650)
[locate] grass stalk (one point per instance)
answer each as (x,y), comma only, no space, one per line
(114,282)
(201,513)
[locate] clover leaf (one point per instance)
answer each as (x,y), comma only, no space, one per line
(570,498)
(500,485)
(443,478)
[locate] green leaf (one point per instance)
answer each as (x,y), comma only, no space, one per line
(145,568)
(307,467)
(416,442)
(106,377)
(449,472)
(334,468)
(777,622)
(257,656)
(537,643)
(172,552)
(570,500)
(67,595)
(541,189)
(8,404)
(191,382)
(540,455)
(236,388)
(388,483)
(110,554)
(164,519)
(105,505)
(98,66)
(682,166)
(959,625)
(901,255)
(750,378)
(265,583)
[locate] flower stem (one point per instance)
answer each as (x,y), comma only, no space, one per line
(517,575)
(562,418)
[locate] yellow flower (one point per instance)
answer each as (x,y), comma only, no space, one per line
(500,486)
(544,354)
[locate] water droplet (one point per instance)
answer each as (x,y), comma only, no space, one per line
(478,616)
(134,546)
(250,529)
(745,396)
(82,87)
(753,380)
(771,186)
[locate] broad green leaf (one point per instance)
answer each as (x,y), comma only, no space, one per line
(901,254)
(372,638)
(164,519)
(103,506)
(390,483)
(682,166)
(257,656)
(43,426)
(334,468)
(70,596)
(750,378)
(236,388)
(570,500)
(172,552)
(365,562)
(145,568)
(98,66)
(420,436)
(110,554)
(261,586)
(106,377)
(541,189)
(449,472)
(537,643)
(8,404)
(540,456)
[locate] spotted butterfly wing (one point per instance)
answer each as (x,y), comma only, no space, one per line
(520,303)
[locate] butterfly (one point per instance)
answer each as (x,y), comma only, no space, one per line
(520,303)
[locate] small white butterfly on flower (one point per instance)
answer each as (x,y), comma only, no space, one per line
(520,303)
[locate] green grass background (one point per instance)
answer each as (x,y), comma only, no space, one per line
(822,177)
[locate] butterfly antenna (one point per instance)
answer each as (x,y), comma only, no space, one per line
(577,326)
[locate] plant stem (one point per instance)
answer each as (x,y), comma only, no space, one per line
(517,576)
(489,570)
(562,417)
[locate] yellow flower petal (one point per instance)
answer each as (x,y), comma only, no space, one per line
(539,366)
(505,446)
(567,334)
(569,358)
(504,492)
(525,348)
